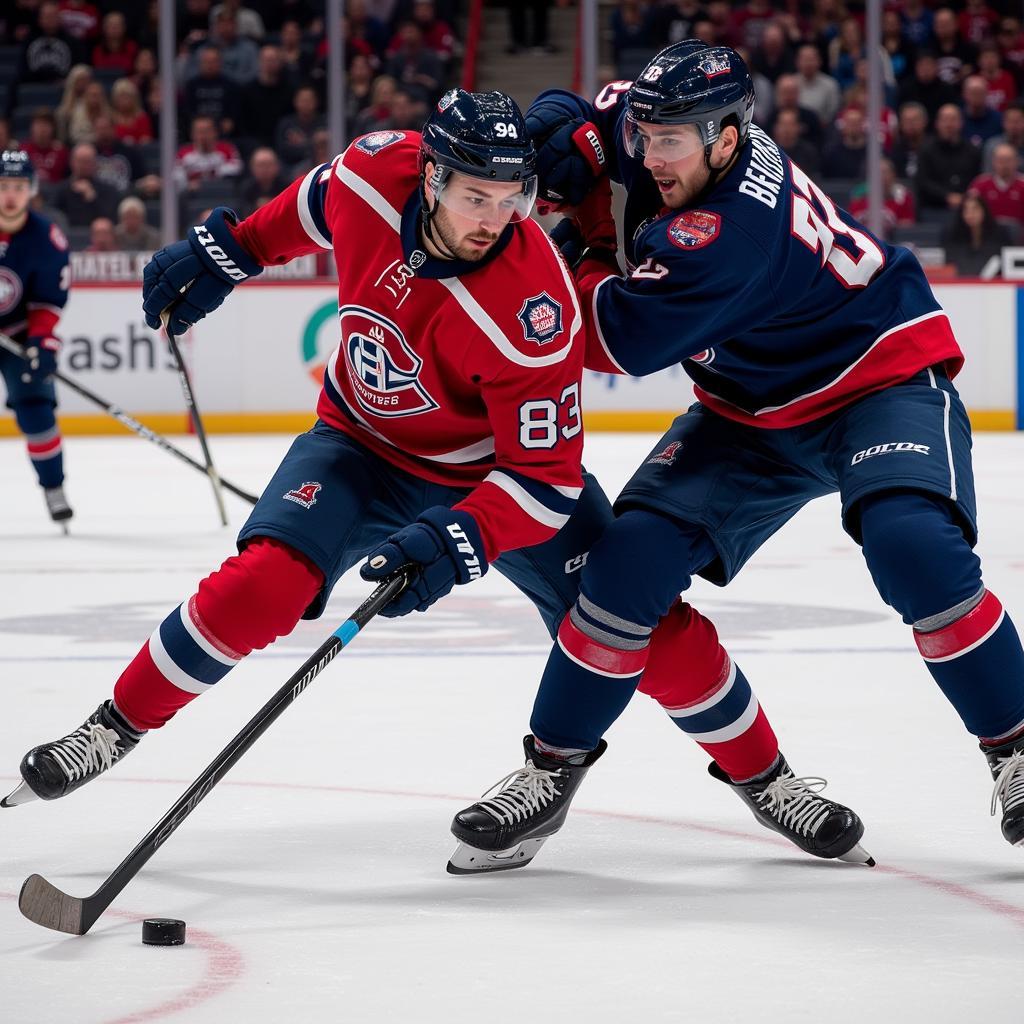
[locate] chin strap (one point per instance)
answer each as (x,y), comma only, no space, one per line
(716,174)
(427,221)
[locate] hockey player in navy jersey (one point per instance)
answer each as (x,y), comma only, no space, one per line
(450,437)
(33,291)
(822,363)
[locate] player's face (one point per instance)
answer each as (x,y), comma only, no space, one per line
(472,214)
(15,194)
(674,155)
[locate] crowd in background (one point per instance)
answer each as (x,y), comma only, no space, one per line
(952,122)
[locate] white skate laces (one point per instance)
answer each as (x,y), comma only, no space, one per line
(530,790)
(88,749)
(1009,782)
(794,802)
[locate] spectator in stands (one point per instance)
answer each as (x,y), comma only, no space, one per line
(981,122)
(368,28)
(7,140)
(926,88)
(999,83)
(414,66)
(74,88)
(845,155)
(358,89)
(748,21)
(48,154)
(94,105)
(268,99)
(298,60)
(101,236)
(206,157)
(677,19)
(193,24)
(977,22)
(537,37)
(131,123)
(132,232)
(211,93)
(80,20)
(378,114)
(634,27)
(1013,133)
(773,57)
(264,182)
(240,56)
(47,55)
(898,207)
(916,18)
(144,71)
(115,50)
(910,137)
(901,51)
(787,97)
(844,51)
(786,131)
(1003,189)
(957,58)
(1010,40)
(248,21)
(408,111)
(974,240)
(947,163)
(294,138)
(437,33)
(117,164)
(818,92)
(83,197)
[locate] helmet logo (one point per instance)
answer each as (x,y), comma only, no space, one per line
(447,100)
(653,73)
(714,64)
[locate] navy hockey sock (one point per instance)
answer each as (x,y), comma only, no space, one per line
(925,568)
(38,422)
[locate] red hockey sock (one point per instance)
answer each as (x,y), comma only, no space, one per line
(251,600)
(693,678)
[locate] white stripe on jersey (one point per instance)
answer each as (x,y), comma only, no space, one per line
(369,195)
(305,217)
(526,501)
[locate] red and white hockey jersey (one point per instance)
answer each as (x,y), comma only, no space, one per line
(466,374)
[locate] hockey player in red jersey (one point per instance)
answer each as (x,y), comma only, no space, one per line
(449,433)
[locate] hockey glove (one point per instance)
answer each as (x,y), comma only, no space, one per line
(209,260)
(590,232)
(445,546)
(41,357)
(571,155)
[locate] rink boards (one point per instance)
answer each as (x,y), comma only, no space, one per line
(257,361)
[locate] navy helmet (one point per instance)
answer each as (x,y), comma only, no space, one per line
(690,82)
(483,135)
(15,163)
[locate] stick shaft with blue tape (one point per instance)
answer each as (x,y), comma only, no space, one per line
(46,905)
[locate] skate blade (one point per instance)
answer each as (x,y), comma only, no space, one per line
(22,795)
(468,860)
(858,855)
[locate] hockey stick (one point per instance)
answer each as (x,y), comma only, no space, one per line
(43,903)
(125,420)
(193,411)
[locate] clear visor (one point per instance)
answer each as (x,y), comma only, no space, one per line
(493,203)
(665,142)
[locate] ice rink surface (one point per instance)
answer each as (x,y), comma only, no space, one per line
(312,879)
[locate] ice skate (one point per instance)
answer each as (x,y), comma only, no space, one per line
(1006,763)
(793,807)
(53,770)
(57,505)
(507,830)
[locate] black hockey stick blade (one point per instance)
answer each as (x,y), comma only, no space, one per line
(44,904)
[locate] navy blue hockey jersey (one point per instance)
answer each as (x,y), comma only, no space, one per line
(780,306)
(34,276)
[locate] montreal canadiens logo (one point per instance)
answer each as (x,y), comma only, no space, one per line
(382,369)
(541,318)
(376,141)
(694,229)
(10,290)
(304,495)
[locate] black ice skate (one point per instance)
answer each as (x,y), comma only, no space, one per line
(792,807)
(57,505)
(53,770)
(508,829)
(1006,763)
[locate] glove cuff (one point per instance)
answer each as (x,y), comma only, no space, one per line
(221,254)
(587,140)
(462,539)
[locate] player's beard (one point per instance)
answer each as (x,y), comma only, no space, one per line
(686,191)
(455,243)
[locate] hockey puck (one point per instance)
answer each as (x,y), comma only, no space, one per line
(163,931)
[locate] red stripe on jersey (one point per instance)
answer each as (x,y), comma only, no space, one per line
(965,634)
(598,657)
(894,358)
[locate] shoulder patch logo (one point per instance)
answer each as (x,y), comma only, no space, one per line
(376,141)
(10,290)
(667,456)
(304,495)
(541,318)
(694,229)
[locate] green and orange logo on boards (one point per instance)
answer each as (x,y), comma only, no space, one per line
(319,340)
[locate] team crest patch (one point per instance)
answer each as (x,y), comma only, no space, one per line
(376,141)
(541,318)
(714,64)
(304,495)
(10,290)
(667,456)
(694,229)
